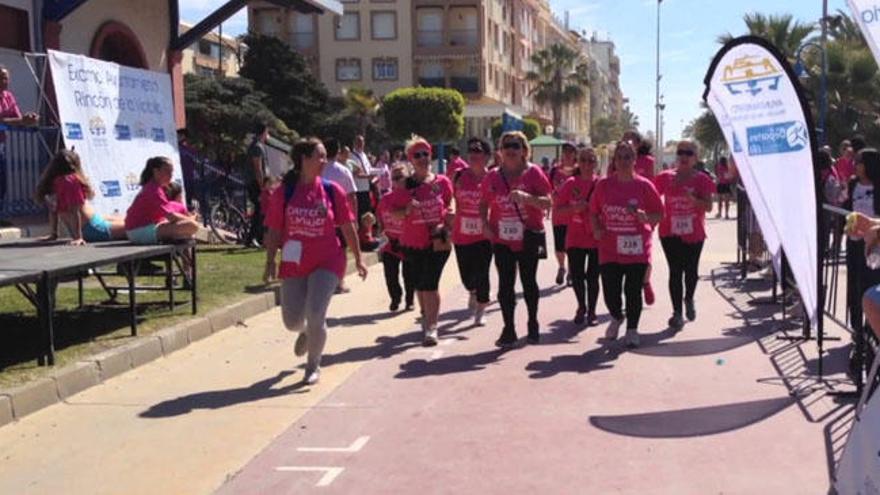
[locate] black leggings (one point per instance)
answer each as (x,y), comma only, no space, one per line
(684,262)
(391,264)
(428,267)
(629,279)
(580,279)
(474,261)
(506,262)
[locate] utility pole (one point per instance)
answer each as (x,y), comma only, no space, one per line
(658,155)
(823,84)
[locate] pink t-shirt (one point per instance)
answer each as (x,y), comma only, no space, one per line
(178,207)
(308,228)
(580,232)
(558,177)
(70,193)
(149,207)
(468,227)
(506,223)
(434,199)
(392,224)
(681,217)
(845,168)
(8,109)
(626,239)
(645,166)
(723,174)
(454,166)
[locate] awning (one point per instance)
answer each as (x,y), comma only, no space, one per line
(546,141)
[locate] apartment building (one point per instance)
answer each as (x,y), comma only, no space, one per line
(481,48)
(606,99)
(211,55)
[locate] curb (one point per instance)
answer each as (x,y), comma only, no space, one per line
(18,402)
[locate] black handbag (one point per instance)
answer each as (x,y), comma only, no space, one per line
(534,241)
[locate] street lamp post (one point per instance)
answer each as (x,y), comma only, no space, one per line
(800,69)
(657,109)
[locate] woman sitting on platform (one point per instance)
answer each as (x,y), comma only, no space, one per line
(66,191)
(150,219)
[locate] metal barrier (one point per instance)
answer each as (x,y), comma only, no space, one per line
(27,151)
(842,283)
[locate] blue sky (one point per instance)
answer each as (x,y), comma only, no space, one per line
(689,30)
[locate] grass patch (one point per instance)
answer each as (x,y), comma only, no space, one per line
(225,276)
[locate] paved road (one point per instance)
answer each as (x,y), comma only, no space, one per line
(704,411)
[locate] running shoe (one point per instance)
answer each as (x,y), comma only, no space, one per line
(690,310)
(649,294)
(430,339)
(613,329)
(676,322)
(592,319)
(301,345)
(395,305)
(506,341)
(312,376)
(632,337)
(579,316)
(560,276)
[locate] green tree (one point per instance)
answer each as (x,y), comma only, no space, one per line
(221,112)
(283,75)
(362,106)
(781,30)
(531,128)
(560,79)
(605,130)
(706,132)
(436,114)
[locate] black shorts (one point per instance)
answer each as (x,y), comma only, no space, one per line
(559,233)
(428,267)
(723,189)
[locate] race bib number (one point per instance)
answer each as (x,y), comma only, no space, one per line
(471,226)
(292,252)
(510,230)
(683,225)
(630,245)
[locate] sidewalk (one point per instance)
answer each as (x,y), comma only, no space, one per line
(704,411)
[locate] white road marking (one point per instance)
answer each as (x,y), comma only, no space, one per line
(330,472)
(356,446)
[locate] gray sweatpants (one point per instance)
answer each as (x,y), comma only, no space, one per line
(304,302)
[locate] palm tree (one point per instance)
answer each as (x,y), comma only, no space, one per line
(362,105)
(781,30)
(560,78)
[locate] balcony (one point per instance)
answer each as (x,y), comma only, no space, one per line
(465,84)
(464,37)
(429,38)
(432,82)
(302,41)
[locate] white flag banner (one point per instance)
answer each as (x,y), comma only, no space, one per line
(753,94)
(116,118)
(867,15)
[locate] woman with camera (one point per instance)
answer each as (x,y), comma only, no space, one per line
(514,198)
(426,231)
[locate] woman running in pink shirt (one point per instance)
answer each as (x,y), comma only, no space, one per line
(624,209)
(580,244)
(303,215)
(687,195)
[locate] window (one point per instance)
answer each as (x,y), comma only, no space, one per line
(205,71)
(209,49)
(349,26)
(348,69)
(383,25)
(463,26)
(432,74)
(267,21)
(429,27)
(14,29)
(384,69)
(302,31)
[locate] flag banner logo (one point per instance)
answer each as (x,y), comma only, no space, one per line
(758,103)
(116,117)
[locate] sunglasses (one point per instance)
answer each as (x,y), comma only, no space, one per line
(512,145)
(685,152)
(421,154)
(476,150)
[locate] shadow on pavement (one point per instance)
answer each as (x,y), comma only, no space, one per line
(599,358)
(217,399)
(653,345)
(695,422)
(418,368)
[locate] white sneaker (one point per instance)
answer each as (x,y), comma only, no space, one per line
(312,376)
(478,315)
(632,337)
(613,329)
(301,346)
(430,339)
(472,302)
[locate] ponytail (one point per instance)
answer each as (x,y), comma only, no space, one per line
(153,164)
(303,148)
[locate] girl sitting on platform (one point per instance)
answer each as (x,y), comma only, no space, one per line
(150,219)
(66,191)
